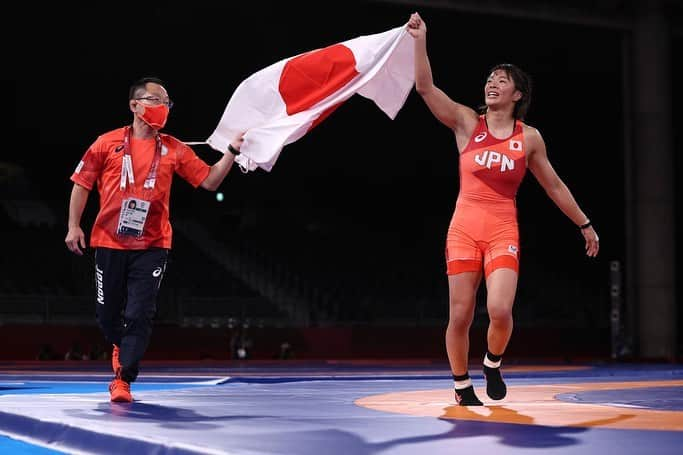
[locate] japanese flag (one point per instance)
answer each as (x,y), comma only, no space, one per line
(282,102)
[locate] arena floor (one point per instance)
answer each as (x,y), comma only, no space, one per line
(339,407)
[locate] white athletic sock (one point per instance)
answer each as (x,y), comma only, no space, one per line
(491,364)
(459,385)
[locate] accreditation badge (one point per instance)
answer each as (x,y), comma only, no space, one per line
(132,217)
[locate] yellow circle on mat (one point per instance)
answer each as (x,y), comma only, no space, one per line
(534,405)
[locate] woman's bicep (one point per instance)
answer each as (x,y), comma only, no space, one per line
(539,164)
(447,111)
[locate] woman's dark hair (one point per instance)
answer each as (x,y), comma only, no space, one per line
(522,83)
(141,84)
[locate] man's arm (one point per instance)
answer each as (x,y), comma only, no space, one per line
(75,236)
(220,169)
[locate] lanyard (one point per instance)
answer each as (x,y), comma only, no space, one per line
(127,165)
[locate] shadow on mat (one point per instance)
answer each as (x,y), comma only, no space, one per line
(516,429)
(164,416)
(522,434)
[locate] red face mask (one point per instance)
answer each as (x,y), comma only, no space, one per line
(155,116)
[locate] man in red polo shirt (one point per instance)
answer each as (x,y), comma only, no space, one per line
(133,168)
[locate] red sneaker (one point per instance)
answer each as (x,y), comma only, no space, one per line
(120,391)
(115,364)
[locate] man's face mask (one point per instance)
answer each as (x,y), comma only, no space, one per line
(154,116)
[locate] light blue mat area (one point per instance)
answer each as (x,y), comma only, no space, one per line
(11,446)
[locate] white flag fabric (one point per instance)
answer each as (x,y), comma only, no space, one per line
(282,102)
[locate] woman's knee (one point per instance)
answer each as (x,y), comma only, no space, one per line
(500,312)
(461,313)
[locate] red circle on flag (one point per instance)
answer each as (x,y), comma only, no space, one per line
(312,77)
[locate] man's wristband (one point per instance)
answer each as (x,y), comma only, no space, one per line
(233,150)
(584,226)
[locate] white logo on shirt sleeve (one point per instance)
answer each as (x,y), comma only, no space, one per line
(79,167)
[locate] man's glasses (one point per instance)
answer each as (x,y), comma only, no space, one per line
(156,100)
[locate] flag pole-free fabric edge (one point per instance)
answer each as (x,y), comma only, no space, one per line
(282,102)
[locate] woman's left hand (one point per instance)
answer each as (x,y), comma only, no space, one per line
(592,241)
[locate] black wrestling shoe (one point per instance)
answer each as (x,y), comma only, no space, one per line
(495,387)
(467,397)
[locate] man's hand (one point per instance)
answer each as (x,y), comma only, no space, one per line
(237,143)
(74,238)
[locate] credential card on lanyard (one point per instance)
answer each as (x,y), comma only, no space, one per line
(133,216)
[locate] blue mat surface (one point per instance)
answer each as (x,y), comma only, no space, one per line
(311,409)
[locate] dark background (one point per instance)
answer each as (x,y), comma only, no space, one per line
(364,199)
